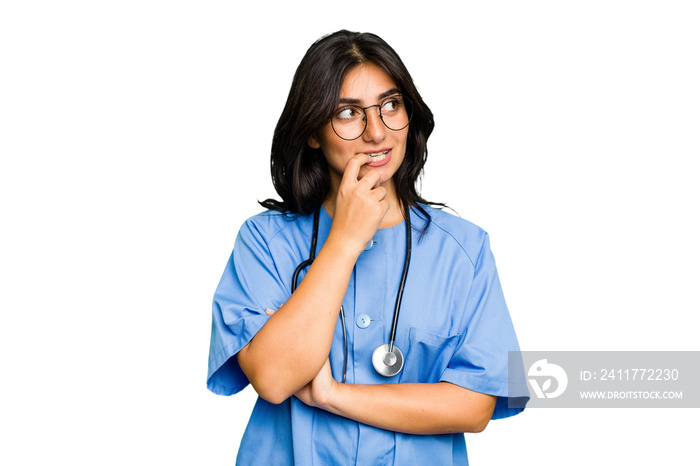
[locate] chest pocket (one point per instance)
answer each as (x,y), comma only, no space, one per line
(427,356)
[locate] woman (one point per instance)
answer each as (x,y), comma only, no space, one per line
(419,354)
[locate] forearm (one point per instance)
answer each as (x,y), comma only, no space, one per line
(292,346)
(413,408)
(288,351)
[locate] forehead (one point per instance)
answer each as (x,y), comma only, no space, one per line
(366,82)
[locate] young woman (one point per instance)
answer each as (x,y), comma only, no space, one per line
(395,341)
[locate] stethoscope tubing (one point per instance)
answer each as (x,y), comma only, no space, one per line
(295,280)
(312,254)
(399,294)
(402,285)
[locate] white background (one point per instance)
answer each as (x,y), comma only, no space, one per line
(135,140)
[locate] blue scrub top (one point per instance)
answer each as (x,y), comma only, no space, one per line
(454,326)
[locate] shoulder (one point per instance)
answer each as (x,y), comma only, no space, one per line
(270,224)
(448,228)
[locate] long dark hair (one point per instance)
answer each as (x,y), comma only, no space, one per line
(299,173)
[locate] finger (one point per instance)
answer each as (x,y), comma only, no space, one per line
(352,168)
(371,178)
(269,312)
(379,193)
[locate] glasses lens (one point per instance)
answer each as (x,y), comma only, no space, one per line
(396,112)
(350,121)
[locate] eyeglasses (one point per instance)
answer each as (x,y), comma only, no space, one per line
(350,121)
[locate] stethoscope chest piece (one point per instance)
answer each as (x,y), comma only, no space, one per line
(386,362)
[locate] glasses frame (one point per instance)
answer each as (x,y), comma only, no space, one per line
(409,111)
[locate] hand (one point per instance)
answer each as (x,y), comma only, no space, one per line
(319,391)
(360,205)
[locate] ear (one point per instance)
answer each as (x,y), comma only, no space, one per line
(313,142)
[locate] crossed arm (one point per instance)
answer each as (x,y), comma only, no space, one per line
(412,408)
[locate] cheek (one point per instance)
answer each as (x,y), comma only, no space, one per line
(337,155)
(335,160)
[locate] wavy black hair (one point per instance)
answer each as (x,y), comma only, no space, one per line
(300,174)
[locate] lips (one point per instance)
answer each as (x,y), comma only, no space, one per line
(379,158)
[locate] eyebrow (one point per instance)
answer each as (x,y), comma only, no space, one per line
(381,96)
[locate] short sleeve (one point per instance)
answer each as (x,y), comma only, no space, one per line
(249,285)
(480,361)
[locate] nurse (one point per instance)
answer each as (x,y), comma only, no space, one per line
(346,155)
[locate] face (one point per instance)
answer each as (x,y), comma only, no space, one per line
(364,85)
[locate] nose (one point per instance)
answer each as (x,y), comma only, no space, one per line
(375,130)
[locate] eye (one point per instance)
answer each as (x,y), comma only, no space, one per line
(391,105)
(348,113)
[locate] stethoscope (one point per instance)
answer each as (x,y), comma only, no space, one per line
(387,358)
